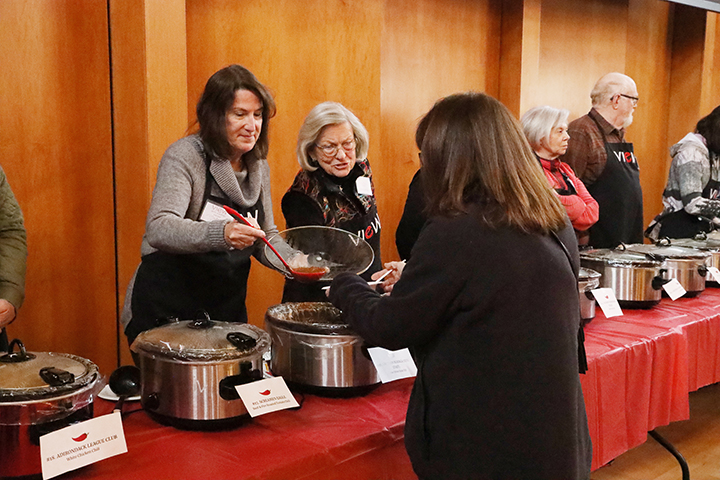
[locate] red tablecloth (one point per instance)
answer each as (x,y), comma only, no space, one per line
(641,367)
(326,438)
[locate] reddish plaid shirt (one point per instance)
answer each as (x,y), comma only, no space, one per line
(586,147)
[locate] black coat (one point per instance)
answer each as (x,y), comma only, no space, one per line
(491,317)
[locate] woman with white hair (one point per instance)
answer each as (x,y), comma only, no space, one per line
(334,187)
(546,131)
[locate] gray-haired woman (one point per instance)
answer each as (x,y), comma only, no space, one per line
(334,187)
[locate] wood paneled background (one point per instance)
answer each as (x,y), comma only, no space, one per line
(93,91)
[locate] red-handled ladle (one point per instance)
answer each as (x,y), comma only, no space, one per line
(301,274)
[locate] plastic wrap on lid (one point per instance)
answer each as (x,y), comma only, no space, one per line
(619,258)
(203,340)
(309,317)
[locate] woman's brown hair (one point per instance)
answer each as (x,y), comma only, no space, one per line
(216,100)
(473,150)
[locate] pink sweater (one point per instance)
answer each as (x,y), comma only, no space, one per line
(582,209)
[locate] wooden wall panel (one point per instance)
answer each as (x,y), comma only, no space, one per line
(430,49)
(149,97)
(55,145)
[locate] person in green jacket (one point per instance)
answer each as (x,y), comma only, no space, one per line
(13,257)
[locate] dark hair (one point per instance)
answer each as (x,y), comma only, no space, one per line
(709,128)
(218,97)
(474,150)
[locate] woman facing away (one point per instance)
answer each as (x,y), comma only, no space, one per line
(488,305)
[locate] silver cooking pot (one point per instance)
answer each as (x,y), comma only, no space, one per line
(588,280)
(635,279)
(189,370)
(40,393)
(315,351)
(707,243)
(687,265)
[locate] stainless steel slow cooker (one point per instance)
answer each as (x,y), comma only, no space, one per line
(588,280)
(40,393)
(189,370)
(704,243)
(635,279)
(687,265)
(314,350)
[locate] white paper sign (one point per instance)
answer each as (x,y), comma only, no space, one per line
(265,396)
(363,186)
(392,365)
(674,289)
(605,298)
(82,444)
(715,273)
(214,211)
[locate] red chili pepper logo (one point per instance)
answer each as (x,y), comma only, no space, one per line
(81,437)
(266,392)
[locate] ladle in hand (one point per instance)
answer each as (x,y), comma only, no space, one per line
(124,382)
(301,274)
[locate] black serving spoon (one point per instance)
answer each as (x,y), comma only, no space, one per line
(124,382)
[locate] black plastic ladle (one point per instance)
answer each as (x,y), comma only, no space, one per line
(124,382)
(301,274)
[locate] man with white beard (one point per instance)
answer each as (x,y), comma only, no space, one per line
(605,162)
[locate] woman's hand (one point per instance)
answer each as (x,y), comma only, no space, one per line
(241,236)
(395,269)
(7,313)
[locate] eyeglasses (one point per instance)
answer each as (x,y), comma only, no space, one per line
(634,99)
(332,150)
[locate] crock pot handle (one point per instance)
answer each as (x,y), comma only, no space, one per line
(658,281)
(702,270)
(56,377)
(201,323)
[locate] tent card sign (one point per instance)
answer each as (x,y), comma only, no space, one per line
(82,444)
(265,396)
(392,365)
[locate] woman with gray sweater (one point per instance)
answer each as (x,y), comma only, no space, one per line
(194,256)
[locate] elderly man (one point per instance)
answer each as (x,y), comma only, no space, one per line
(605,162)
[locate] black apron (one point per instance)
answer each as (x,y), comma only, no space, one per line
(366,226)
(179,286)
(619,195)
(681,224)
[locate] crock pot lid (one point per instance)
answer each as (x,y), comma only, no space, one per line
(670,251)
(23,378)
(619,258)
(308,317)
(711,244)
(180,340)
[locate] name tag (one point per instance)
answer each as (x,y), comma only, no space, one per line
(363,186)
(674,289)
(214,211)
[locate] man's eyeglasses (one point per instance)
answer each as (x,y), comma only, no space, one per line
(634,99)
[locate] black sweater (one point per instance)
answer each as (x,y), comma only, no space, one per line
(492,318)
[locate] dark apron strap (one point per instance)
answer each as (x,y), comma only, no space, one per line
(3,341)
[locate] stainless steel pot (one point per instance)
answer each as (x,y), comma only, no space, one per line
(314,350)
(588,280)
(704,243)
(189,370)
(687,265)
(40,393)
(635,279)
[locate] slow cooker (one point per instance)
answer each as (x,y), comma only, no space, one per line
(687,265)
(315,351)
(588,280)
(635,279)
(40,392)
(189,370)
